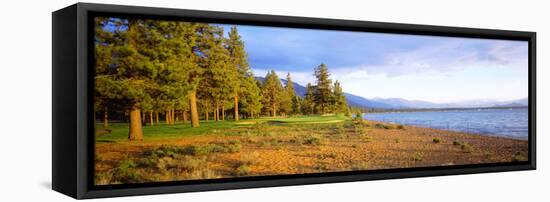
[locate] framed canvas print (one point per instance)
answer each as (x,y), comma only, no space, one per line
(155,100)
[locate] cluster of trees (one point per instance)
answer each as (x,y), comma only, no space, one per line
(322,98)
(148,68)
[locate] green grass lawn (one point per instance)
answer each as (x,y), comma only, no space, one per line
(119,131)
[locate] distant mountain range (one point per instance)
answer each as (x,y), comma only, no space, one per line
(400,103)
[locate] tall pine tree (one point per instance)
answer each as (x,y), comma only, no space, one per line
(340,104)
(308,103)
(239,62)
(288,95)
(272,90)
(323,90)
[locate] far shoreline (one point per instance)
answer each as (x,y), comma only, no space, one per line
(406,110)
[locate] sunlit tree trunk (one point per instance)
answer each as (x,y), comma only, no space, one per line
(206,114)
(173,114)
(194,112)
(273,111)
(135,132)
(236,107)
(216,113)
(157,117)
(151,117)
(167,117)
(223,113)
(105,118)
(170,116)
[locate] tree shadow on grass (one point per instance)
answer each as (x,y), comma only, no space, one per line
(106,141)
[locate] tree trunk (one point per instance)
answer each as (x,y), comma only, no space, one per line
(206,114)
(194,112)
(173,116)
(223,113)
(105,118)
(157,116)
(184,114)
(167,115)
(151,118)
(217,113)
(273,111)
(135,132)
(236,107)
(170,116)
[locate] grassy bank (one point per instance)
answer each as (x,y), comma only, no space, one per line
(272,146)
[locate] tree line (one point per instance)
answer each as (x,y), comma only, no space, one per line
(145,69)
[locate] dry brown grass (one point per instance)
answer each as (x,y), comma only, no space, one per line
(306,149)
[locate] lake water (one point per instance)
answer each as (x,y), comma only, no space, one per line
(496,122)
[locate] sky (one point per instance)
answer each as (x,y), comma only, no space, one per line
(381,65)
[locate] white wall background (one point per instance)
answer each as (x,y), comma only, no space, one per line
(25,102)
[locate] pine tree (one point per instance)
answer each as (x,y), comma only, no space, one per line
(288,95)
(296,105)
(250,101)
(323,92)
(272,90)
(219,75)
(308,103)
(173,50)
(135,72)
(239,62)
(340,104)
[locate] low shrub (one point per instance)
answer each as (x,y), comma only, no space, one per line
(189,163)
(197,150)
(400,127)
(358,116)
(321,166)
(518,157)
(233,147)
(103,178)
(436,140)
(312,140)
(203,173)
(339,129)
(324,156)
(457,142)
(360,166)
(366,138)
(466,148)
(249,158)
(417,156)
(382,126)
(126,172)
(243,170)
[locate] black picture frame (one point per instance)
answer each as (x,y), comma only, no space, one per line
(72,125)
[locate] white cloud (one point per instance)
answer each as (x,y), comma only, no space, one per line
(444,58)
(446,72)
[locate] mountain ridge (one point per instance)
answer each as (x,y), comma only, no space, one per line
(401,103)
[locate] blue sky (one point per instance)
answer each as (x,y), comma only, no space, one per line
(379,65)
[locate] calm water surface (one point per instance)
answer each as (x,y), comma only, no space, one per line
(496,122)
